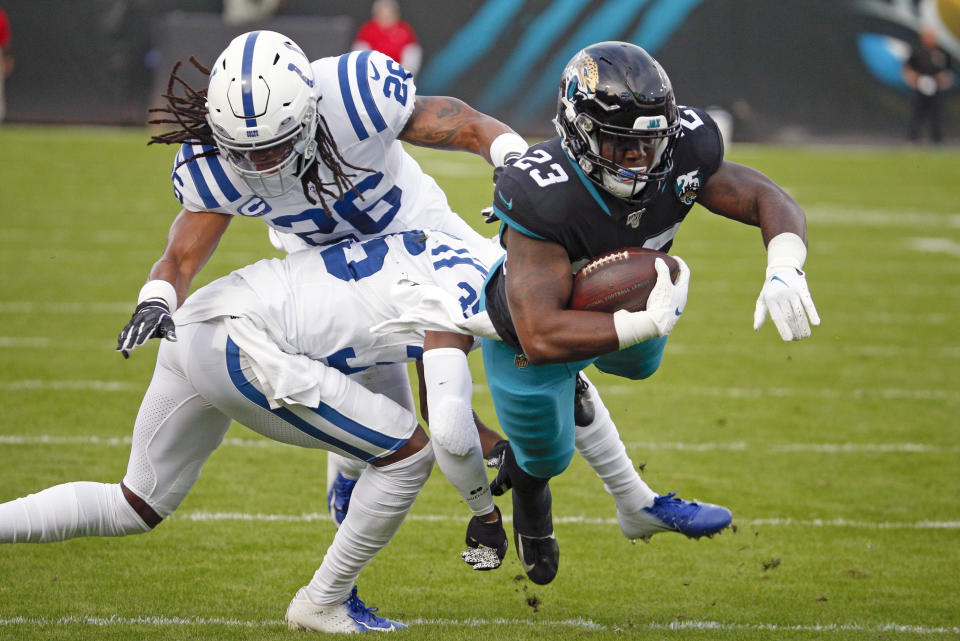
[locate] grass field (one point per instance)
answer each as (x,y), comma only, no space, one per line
(838,455)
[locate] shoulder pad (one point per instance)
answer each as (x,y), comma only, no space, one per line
(376,94)
(204,183)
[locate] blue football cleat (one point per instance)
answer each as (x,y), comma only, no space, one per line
(668,513)
(338,498)
(348,617)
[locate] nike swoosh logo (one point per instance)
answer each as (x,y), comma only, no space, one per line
(677,311)
(508,203)
(376,74)
(779,279)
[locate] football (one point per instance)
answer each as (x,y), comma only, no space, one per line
(620,279)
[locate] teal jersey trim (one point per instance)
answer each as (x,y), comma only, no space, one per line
(509,221)
(591,188)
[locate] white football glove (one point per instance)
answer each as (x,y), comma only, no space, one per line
(785,295)
(664,307)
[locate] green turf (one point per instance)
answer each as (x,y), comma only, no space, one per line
(838,455)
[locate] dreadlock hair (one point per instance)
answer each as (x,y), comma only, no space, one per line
(189,112)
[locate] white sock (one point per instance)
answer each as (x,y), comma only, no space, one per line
(379,504)
(600,445)
(67,511)
(456,443)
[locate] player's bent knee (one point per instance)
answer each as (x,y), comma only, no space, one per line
(146,513)
(548,466)
(636,363)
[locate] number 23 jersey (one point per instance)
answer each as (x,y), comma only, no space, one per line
(366,100)
(546,195)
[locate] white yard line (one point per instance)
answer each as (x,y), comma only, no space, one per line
(578,623)
(709,446)
(825,215)
(927,352)
(202,516)
(893,393)
(63,307)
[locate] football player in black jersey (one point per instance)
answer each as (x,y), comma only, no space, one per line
(626,168)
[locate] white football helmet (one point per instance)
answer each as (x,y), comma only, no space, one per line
(262,108)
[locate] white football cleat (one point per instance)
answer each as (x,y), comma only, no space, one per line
(347,618)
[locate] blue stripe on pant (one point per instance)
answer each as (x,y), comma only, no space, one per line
(374,438)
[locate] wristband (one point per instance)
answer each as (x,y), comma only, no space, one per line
(506,145)
(634,327)
(159,289)
(786,250)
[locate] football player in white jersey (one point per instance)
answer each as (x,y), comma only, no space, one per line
(279,346)
(313,150)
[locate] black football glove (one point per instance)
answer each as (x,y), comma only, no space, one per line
(487,212)
(496,454)
(498,458)
(486,543)
(151,319)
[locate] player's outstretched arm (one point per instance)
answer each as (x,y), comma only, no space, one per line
(457,445)
(742,193)
(441,122)
(191,240)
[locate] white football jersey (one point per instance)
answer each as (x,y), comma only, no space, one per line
(366,99)
(322,303)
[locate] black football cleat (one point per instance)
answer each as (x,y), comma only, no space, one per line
(539,556)
(533,533)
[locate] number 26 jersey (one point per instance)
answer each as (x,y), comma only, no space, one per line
(366,99)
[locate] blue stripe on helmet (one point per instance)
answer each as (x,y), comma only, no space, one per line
(223,182)
(256,396)
(347,97)
(200,182)
(246,79)
(363,83)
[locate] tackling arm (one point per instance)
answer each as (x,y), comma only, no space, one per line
(456,443)
(191,240)
(440,122)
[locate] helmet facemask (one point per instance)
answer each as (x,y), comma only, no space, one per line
(648,139)
(273,167)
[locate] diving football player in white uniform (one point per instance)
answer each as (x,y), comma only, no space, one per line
(279,346)
(313,150)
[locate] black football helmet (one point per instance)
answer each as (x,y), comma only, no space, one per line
(615,94)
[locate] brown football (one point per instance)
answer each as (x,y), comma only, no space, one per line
(620,279)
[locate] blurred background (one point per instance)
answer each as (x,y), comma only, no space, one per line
(790,71)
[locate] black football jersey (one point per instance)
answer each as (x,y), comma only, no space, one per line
(546,195)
